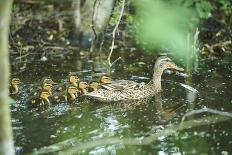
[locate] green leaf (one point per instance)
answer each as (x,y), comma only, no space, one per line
(11,100)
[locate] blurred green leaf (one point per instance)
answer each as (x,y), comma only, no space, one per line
(11,100)
(163,26)
(204,9)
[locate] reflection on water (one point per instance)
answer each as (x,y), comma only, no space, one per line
(88,120)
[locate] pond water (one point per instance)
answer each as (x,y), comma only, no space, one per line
(88,122)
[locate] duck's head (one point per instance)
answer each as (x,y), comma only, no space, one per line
(83,86)
(48,80)
(104,79)
(73,78)
(15,81)
(163,63)
(48,87)
(93,86)
(72,90)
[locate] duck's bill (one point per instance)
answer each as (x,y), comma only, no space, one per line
(178,68)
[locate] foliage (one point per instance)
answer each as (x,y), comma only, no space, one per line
(203,7)
(11,100)
(164,26)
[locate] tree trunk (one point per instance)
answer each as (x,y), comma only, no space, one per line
(88,13)
(6,140)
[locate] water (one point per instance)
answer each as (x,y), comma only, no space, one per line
(90,122)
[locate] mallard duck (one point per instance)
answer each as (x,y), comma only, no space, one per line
(14,86)
(40,99)
(130,90)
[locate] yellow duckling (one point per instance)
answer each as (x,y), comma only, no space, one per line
(125,90)
(47,84)
(73,79)
(70,95)
(41,99)
(14,86)
(94,86)
(82,87)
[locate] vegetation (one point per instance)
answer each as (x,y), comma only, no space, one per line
(119,38)
(6,139)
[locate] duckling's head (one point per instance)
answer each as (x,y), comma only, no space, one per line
(15,81)
(72,90)
(73,78)
(48,87)
(163,63)
(48,80)
(104,79)
(93,86)
(83,85)
(44,95)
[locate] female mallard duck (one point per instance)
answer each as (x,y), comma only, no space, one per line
(14,86)
(130,90)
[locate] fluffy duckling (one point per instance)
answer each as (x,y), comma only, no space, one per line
(82,87)
(70,95)
(47,84)
(14,86)
(94,86)
(73,79)
(41,99)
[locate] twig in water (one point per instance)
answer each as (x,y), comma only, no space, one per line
(203,110)
(113,36)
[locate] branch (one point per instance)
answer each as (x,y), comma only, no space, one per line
(113,35)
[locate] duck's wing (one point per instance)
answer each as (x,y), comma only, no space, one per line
(121,85)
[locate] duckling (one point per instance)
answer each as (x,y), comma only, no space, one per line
(82,87)
(69,95)
(47,84)
(14,86)
(72,93)
(40,99)
(130,90)
(94,86)
(73,79)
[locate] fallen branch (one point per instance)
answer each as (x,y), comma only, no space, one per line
(74,146)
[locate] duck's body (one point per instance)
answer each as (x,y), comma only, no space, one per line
(123,90)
